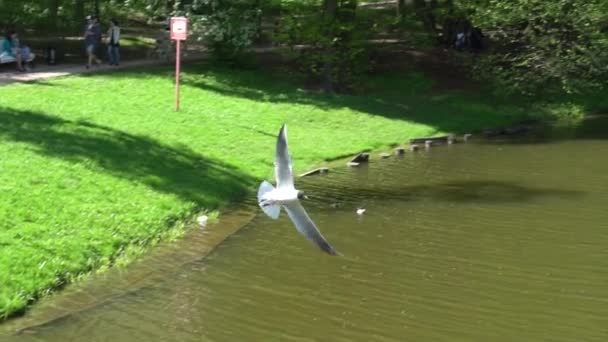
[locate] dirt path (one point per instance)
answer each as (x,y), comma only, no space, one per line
(42,72)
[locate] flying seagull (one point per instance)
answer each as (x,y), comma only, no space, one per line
(285,194)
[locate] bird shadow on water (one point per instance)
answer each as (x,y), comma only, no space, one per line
(589,128)
(179,171)
(327,195)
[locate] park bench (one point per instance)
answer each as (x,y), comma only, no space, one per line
(9,59)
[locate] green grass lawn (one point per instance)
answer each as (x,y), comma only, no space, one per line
(93,167)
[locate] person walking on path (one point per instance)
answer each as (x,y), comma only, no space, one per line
(114,43)
(92,37)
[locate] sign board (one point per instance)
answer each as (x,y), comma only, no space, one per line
(179,32)
(179,28)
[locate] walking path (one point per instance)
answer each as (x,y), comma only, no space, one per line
(41,72)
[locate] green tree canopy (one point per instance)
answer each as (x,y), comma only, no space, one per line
(547,45)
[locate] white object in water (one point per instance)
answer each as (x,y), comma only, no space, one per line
(361,211)
(285,195)
(202,220)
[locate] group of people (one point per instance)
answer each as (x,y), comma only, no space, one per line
(13,50)
(92,40)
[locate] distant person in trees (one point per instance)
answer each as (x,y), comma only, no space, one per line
(10,47)
(92,37)
(476,39)
(461,40)
(114,43)
(449,32)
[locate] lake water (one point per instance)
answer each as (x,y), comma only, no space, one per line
(483,241)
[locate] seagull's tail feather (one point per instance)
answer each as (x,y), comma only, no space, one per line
(270,209)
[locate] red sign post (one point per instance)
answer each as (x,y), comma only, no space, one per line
(179,32)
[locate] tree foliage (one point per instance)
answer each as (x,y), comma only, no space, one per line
(544,45)
(333,47)
(66,15)
(536,45)
(227,27)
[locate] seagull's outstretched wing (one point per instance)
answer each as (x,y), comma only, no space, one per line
(283,168)
(306,227)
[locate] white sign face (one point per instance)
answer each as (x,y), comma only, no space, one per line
(179,27)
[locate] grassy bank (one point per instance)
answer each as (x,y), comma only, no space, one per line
(93,166)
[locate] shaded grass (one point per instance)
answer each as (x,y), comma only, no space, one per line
(94,166)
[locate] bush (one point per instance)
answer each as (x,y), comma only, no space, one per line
(331,50)
(226,27)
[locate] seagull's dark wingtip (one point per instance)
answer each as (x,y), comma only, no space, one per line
(330,250)
(336,253)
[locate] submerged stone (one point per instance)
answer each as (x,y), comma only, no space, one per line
(361,158)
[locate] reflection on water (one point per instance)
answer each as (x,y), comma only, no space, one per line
(486,241)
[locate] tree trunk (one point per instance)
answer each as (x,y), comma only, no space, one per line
(170,7)
(79,14)
(426,13)
(258,5)
(53,10)
(330,8)
(432,21)
(97,8)
(400,8)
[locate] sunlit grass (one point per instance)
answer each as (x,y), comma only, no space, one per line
(96,167)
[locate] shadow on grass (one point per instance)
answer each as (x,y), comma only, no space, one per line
(401,96)
(406,91)
(404,95)
(409,95)
(140,159)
